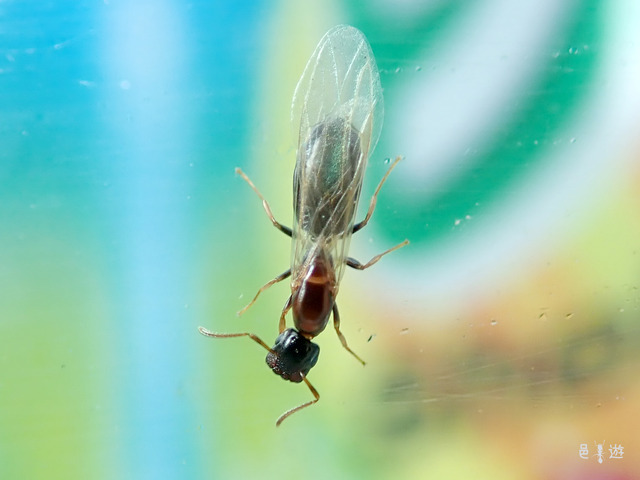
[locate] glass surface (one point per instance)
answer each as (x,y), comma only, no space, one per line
(500,344)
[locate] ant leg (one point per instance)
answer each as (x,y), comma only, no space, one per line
(253,337)
(300,407)
(353,263)
(265,204)
(279,278)
(374,199)
(283,323)
(336,325)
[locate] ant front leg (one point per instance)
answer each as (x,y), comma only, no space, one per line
(336,325)
(265,204)
(283,323)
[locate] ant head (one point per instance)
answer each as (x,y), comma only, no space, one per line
(293,355)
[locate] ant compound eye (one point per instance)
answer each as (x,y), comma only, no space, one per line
(293,355)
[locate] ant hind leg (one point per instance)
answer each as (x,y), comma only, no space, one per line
(265,204)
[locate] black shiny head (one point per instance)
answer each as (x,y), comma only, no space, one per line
(293,355)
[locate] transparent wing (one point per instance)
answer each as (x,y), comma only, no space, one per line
(341,79)
(338,110)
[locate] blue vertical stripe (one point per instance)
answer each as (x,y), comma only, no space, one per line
(147,63)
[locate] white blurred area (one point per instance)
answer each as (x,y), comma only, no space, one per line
(448,110)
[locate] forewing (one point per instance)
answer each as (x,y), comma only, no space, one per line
(341,79)
(339,91)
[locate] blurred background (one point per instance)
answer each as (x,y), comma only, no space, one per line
(500,344)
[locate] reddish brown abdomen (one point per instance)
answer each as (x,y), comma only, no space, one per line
(312,303)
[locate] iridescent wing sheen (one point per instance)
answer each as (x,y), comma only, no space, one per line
(337,109)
